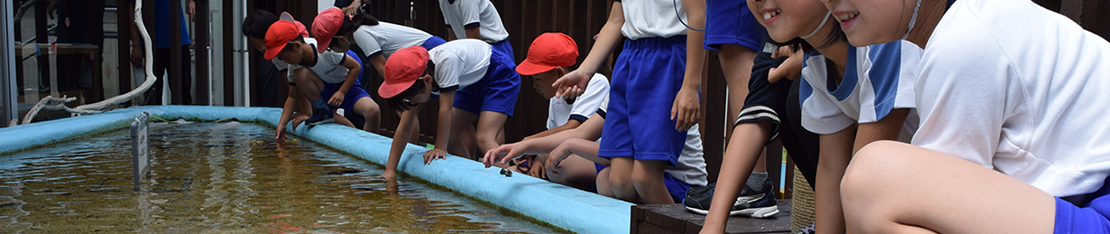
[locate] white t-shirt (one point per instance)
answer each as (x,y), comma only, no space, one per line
(289,68)
(877,79)
(460,63)
(1018,89)
(652,18)
(328,65)
(559,111)
(690,168)
(462,14)
(386,38)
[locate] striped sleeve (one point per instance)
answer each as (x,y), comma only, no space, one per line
(887,77)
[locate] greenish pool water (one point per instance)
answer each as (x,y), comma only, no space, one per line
(224,178)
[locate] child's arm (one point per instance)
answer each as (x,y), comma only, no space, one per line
(571,124)
(836,152)
(744,149)
(589,130)
(581,147)
(379,64)
(400,141)
(886,129)
(443,129)
(352,75)
(574,83)
(286,111)
(686,107)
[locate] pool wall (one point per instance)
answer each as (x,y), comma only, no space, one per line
(555,204)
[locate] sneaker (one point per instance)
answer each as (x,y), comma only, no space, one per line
(751,203)
(320,115)
(808,230)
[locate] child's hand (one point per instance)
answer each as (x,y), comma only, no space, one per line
(686,109)
(279,135)
(571,85)
(559,154)
(434,154)
(789,69)
(502,153)
(336,99)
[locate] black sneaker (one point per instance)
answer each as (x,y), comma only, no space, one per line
(320,116)
(751,203)
(808,230)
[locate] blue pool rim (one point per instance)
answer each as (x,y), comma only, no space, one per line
(564,207)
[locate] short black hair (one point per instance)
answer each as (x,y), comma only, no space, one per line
(257,23)
(398,102)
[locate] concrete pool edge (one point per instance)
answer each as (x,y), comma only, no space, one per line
(564,207)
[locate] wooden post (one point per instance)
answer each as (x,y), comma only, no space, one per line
(229,53)
(174,76)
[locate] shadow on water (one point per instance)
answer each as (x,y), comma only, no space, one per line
(224,178)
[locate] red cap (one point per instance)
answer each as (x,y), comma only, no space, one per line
(280,33)
(402,69)
(325,26)
(548,51)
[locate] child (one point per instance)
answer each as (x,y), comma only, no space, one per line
(471,79)
(1006,144)
(850,96)
(323,74)
(581,141)
(642,135)
(550,57)
(377,39)
(476,19)
(295,107)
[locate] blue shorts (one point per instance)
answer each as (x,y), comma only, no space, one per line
(432,42)
(1092,217)
(676,188)
(730,22)
(505,48)
(496,92)
(646,78)
(353,94)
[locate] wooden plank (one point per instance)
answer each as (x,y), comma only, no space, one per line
(674,218)
(202,65)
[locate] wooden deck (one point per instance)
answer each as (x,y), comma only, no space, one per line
(665,219)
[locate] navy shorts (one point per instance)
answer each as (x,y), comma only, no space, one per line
(432,42)
(1091,217)
(765,101)
(676,188)
(496,92)
(505,48)
(646,78)
(730,22)
(353,94)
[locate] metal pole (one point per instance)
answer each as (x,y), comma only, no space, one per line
(7,66)
(123,28)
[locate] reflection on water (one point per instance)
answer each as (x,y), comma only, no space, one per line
(223,178)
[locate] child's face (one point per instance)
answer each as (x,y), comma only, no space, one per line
(421,97)
(258,43)
(292,53)
(788,19)
(542,82)
(340,44)
(867,22)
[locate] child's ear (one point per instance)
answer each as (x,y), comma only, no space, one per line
(560,71)
(427,79)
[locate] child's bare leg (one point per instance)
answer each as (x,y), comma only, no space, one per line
(602,183)
(736,64)
(370,112)
(490,124)
(620,179)
(460,121)
(647,176)
(893,187)
(339,119)
(574,171)
(309,84)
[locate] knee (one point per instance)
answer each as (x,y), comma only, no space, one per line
(621,183)
(647,179)
(871,167)
(371,110)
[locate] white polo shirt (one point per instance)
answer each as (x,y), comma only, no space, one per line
(327,65)
(289,68)
(460,63)
(690,168)
(652,18)
(386,38)
(877,79)
(462,14)
(1019,89)
(559,111)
